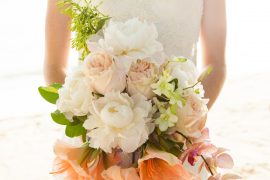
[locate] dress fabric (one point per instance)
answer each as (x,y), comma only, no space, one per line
(177,21)
(178,25)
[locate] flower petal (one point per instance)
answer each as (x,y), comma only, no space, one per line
(116,173)
(225,161)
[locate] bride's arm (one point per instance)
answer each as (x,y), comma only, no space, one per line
(213,39)
(57,44)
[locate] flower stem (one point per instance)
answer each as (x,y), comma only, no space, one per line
(207,165)
(191,86)
(203,158)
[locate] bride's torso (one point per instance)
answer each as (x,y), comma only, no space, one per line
(177,21)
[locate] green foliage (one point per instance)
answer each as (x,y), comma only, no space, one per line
(175,82)
(50,93)
(197,91)
(170,146)
(60,118)
(181,59)
(173,108)
(163,142)
(75,130)
(89,154)
(85,21)
(162,98)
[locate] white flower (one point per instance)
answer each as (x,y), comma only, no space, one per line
(163,86)
(75,95)
(196,90)
(185,71)
(119,121)
(192,116)
(166,120)
(130,40)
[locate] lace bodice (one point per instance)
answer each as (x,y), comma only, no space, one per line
(177,21)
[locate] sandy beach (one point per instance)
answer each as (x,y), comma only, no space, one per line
(239,121)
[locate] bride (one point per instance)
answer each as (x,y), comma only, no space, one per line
(180,23)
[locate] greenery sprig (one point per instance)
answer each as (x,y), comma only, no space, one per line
(86,20)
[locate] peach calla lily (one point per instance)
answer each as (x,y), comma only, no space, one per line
(66,165)
(117,173)
(158,165)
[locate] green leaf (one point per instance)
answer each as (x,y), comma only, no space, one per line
(181,59)
(173,109)
(170,146)
(101,23)
(89,154)
(162,98)
(75,130)
(175,82)
(176,151)
(80,118)
(57,86)
(197,91)
(166,144)
(60,118)
(50,93)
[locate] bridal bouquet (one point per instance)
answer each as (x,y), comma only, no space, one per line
(127,97)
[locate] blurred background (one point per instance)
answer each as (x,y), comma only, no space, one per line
(240,120)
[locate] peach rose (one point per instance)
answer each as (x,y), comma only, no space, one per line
(192,116)
(117,173)
(104,73)
(141,76)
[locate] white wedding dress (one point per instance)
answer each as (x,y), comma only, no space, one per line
(177,21)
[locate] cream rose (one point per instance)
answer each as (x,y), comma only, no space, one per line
(75,96)
(141,76)
(104,73)
(186,72)
(119,121)
(192,116)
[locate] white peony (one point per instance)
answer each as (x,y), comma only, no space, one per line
(75,95)
(186,72)
(130,40)
(119,121)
